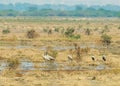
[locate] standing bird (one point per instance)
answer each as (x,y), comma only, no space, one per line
(104,58)
(93,58)
(47,57)
(70,57)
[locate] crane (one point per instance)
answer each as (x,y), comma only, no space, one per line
(93,58)
(70,57)
(104,58)
(47,57)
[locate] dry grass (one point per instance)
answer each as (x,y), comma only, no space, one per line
(17,36)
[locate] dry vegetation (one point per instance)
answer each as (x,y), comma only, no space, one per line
(24,38)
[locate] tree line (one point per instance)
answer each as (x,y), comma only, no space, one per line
(60,10)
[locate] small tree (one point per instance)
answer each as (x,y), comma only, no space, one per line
(31,34)
(87,32)
(13,63)
(49,31)
(5,31)
(69,32)
(56,29)
(77,51)
(106,39)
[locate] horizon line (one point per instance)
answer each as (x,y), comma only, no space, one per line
(58,4)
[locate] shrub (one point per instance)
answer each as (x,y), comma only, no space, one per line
(13,63)
(69,32)
(75,36)
(56,29)
(49,31)
(87,32)
(77,50)
(31,34)
(106,39)
(106,29)
(5,31)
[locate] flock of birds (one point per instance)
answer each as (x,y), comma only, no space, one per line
(47,57)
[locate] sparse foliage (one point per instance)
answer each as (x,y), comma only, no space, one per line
(106,39)
(77,50)
(49,31)
(13,63)
(6,31)
(31,34)
(69,32)
(106,29)
(87,32)
(56,29)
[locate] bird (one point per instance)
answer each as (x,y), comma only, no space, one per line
(104,58)
(47,57)
(93,58)
(70,57)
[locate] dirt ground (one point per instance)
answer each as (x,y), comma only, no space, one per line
(65,78)
(16,45)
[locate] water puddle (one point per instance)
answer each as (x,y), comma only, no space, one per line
(101,67)
(28,65)
(3,65)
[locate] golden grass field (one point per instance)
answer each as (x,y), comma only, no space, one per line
(16,46)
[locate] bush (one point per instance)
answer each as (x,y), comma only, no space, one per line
(56,29)
(6,31)
(87,32)
(77,51)
(31,34)
(106,29)
(106,39)
(13,63)
(49,31)
(69,32)
(75,36)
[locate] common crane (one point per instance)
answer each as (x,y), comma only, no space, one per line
(104,58)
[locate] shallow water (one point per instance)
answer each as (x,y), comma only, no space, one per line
(3,65)
(28,65)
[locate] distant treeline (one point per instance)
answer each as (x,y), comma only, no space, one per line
(26,9)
